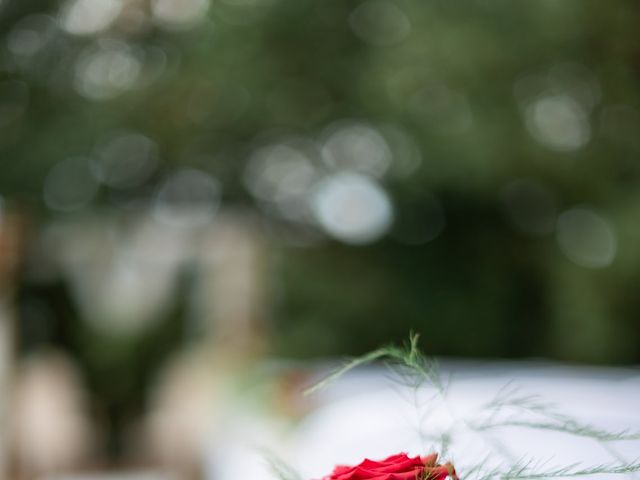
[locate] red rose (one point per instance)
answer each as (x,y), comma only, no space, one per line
(396,467)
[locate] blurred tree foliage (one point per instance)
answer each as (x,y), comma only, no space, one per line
(514,129)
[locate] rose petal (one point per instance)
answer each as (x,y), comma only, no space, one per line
(395,467)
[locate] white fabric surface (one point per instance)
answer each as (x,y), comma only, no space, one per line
(365,414)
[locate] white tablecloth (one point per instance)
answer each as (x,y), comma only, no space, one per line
(365,414)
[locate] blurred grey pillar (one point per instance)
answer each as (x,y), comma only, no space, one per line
(6,355)
(231,293)
(11,238)
(192,396)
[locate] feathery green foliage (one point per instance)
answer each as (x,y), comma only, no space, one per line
(409,365)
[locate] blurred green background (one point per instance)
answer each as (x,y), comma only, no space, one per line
(466,169)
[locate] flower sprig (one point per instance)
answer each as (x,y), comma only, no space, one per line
(409,365)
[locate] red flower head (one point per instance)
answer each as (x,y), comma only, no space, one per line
(396,467)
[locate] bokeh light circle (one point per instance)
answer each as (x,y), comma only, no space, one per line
(352,208)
